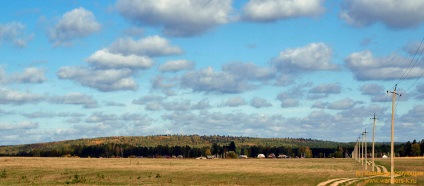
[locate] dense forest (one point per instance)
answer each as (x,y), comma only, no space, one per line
(192,146)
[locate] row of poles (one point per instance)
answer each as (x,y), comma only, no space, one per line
(360,149)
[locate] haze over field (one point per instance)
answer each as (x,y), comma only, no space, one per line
(315,69)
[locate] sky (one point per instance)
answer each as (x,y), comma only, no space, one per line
(315,69)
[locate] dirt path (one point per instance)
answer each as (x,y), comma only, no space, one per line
(348,181)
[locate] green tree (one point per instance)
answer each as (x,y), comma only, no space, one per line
(232,146)
(339,152)
(416,149)
(306,151)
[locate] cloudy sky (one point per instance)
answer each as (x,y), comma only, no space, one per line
(262,68)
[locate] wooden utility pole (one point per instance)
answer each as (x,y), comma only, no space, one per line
(363,149)
(366,154)
(360,149)
(373,134)
(392,146)
(357,148)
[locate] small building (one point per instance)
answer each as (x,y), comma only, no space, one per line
(243,156)
(261,156)
(384,156)
(272,155)
(282,156)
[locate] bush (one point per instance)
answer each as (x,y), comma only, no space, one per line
(3,174)
(232,155)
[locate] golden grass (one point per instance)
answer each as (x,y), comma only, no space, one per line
(92,171)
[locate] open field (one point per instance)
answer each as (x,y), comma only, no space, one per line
(92,171)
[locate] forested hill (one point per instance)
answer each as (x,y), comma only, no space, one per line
(174,140)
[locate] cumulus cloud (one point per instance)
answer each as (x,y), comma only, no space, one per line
(259,102)
(16,127)
(104,59)
(365,66)
(273,10)
(395,14)
(201,105)
(234,102)
(29,75)
(76,98)
(312,57)
(182,105)
(249,71)
(176,65)
(377,92)
(77,23)
(208,80)
(102,80)
(149,46)
(14,33)
(147,99)
(291,97)
(414,115)
(177,18)
(342,104)
(320,105)
(18,98)
(324,90)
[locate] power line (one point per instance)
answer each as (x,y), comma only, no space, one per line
(406,72)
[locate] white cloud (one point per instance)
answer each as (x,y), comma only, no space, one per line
(291,97)
(15,97)
(147,99)
(76,98)
(178,18)
(201,105)
(367,67)
(249,71)
(312,57)
(342,104)
(105,59)
(16,127)
(149,46)
(182,105)
(77,23)
(320,105)
(29,75)
(326,89)
(176,65)
(372,89)
(273,10)
(392,13)
(14,33)
(235,102)
(208,80)
(102,80)
(259,102)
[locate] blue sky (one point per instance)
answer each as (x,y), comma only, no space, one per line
(304,68)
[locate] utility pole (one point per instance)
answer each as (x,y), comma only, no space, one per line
(392,146)
(373,134)
(357,149)
(363,149)
(366,154)
(360,149)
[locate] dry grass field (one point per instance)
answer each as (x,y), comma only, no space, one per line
(92,171)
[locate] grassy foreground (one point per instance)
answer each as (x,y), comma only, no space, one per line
(85,171)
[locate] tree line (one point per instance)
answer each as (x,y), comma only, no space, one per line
(109,150)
